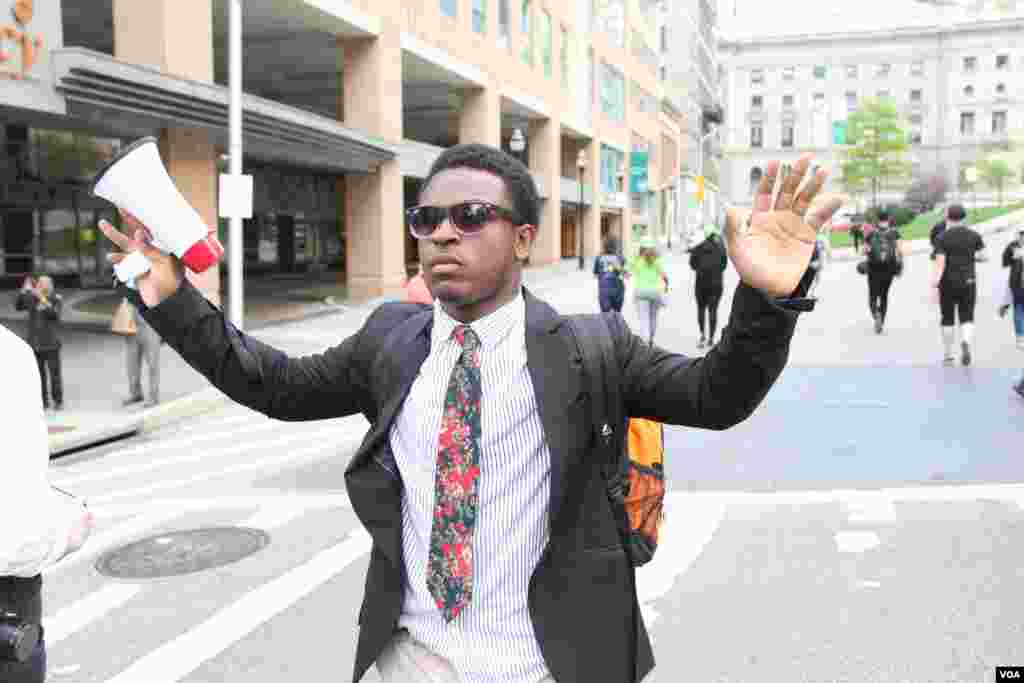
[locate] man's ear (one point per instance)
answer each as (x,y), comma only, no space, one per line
(524,238)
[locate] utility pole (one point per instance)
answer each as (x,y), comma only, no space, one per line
(236,247)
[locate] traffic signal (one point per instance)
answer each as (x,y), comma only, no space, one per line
(700,188)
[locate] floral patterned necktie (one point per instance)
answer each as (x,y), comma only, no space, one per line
(457,483)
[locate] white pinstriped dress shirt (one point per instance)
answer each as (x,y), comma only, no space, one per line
(493,640)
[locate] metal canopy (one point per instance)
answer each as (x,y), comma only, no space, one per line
(95,84)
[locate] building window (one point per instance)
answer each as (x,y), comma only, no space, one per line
(757,77)
(915,96)
(662,73)
(564,51)
(755,178)
(757,101)
(448,8)
(545,43)
(917,68)
(1002,62)
(757,135)
(613,93)
(663,37)
(851,71)
(851,100)
(504,24)
(611,165)
(526,28)
(915,119)
(789,73)
(819,101)
(1000,88)
(968,91)
(480,16)
(999,123)
(787,101)
(787,135)
(882,70)
(967,123)
(970,64)
(611,17)
(820,72)
(883,94)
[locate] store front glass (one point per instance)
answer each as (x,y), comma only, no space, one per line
(48,220)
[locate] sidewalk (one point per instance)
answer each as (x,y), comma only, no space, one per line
(93,359)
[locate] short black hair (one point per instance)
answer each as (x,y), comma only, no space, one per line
(517,178)
(883,215)
(956,212)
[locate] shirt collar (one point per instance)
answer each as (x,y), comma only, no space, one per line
(491,329)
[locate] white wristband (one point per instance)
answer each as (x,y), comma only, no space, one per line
(131,267)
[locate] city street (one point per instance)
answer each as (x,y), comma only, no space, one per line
(861,526)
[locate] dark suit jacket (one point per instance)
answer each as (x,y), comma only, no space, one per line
(582,597)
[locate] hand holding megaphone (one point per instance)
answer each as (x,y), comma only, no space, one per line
(166,271)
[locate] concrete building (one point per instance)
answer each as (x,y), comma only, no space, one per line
(691,77)
(346,105)
(960,88)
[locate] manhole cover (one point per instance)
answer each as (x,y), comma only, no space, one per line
(181,552)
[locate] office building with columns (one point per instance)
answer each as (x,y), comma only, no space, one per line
(959,88)
(346,104)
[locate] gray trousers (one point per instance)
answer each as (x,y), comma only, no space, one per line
(143,346)
(647,308)
(406,660)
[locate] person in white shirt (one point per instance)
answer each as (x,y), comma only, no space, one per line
(40,524)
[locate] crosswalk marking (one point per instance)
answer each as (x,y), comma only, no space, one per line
(325,436)
(176,659)
(80,614)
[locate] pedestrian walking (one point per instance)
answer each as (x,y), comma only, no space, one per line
(936,232)
(857,233)
(44,306)
(1013,258)
(708,260)
(416,290)
(610,271)
(493,542)
(884,252)
(143,346)
(955,277)
(40,525)
(650,285)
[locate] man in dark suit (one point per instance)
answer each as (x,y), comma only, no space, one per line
(494,542)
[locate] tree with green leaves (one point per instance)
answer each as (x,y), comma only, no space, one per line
(995,171)
(876,142)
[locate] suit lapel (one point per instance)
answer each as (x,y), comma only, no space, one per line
(556,373)
(376,491)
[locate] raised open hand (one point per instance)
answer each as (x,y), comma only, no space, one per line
(166,273)
(773,254)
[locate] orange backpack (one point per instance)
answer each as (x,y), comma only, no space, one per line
(632,451)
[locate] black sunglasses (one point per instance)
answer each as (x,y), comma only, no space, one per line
(467,217)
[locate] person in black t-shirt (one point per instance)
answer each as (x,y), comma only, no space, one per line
(955,276)
(937,231)
(709,261)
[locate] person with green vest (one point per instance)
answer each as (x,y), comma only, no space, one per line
(650,283)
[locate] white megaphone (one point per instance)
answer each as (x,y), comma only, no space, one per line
(135,180)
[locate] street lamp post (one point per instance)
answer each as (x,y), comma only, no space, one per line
(700,168)
(581,164)
(517,143)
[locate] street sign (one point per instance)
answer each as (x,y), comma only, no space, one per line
(700,188)
(638,176)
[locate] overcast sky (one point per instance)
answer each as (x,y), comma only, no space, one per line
(780,17)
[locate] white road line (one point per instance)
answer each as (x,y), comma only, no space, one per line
(857,541)
(298,457)
(689,526)
(113,536)
(204,454)
(93,606)
(1010,493)
(227,502)
(274,517)
(178,658)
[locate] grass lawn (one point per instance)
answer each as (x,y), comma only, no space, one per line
(920,227)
